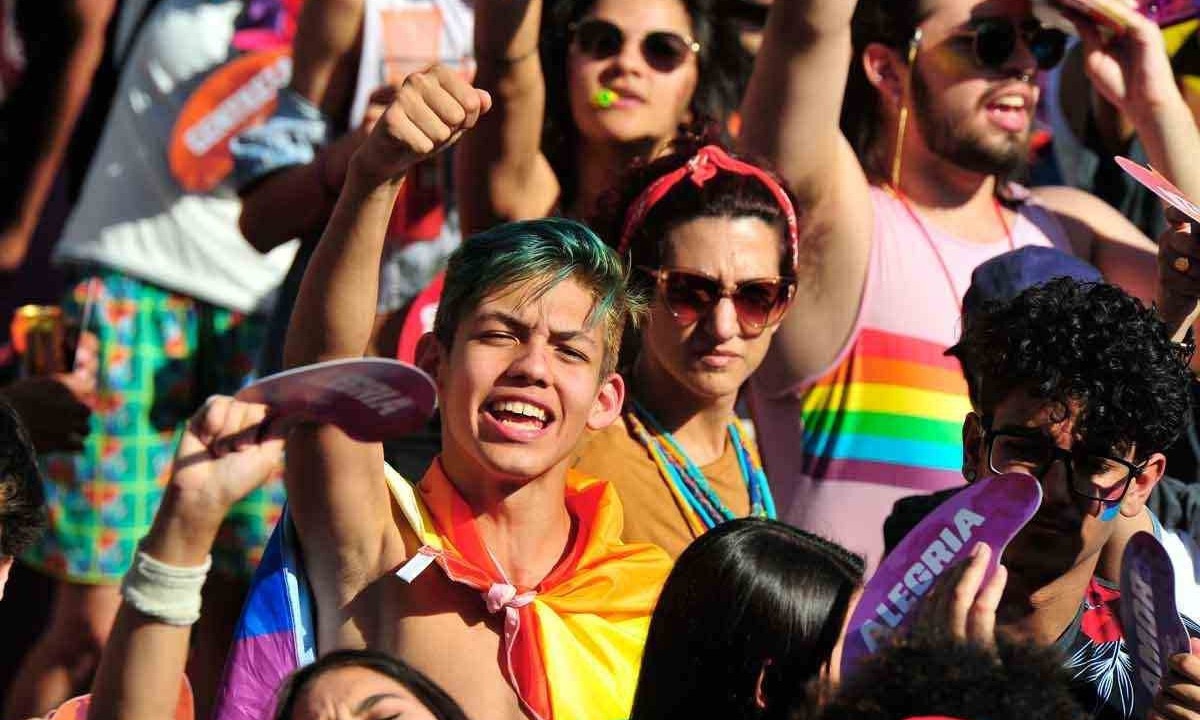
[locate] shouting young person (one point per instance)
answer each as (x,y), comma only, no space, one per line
(532,607)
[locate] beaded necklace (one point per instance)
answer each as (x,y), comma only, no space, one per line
(698,502)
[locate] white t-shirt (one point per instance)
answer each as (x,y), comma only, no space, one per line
(402,37)
(133,215)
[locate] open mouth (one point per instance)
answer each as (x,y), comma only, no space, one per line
(1009,112)
(519,415)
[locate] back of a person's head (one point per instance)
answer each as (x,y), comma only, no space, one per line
(943,677)
(1088,347)
(751,598)
(542,253)
(22,503)
(725,194)
(1002,278)
(424,690)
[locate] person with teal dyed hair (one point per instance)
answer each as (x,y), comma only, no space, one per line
(501,574)
(545,252)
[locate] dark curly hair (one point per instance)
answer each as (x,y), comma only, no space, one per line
(749,596)
(1085,345)
(917,677)
(725,195)
(722,69)
(22,503)
(890,23)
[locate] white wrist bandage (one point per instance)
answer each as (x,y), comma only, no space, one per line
(165,592)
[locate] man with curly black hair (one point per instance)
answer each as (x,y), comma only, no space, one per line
(22,505)
(1079,385)
(923,677)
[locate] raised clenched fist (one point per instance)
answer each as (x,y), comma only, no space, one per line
(431,110)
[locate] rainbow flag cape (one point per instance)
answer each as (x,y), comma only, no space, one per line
(275,634)
(590,615)
(572,646)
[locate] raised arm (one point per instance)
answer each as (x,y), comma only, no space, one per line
(223,455)
(790,117)
(290,194)
(336,488)
(502,174)
(43,113)
(1132,72)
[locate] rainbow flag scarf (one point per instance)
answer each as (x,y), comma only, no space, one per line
(590,615)
(572,645)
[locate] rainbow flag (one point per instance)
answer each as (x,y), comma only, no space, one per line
(890,413)
(573,644)
(578,655)
(275,634)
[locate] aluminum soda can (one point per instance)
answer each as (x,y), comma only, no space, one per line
(45,351)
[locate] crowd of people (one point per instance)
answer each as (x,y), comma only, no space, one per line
(720,298)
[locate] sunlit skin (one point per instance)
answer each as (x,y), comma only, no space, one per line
(6,563)
(650,104)
(358,693)
(1055,555)
(543,351)
(978,118)
(708,361)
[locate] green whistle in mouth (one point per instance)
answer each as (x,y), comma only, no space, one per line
(604,98)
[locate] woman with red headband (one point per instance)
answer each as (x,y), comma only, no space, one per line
(713,241)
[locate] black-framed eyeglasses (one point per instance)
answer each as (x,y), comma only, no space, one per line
(1091,476)
(994,40)
(690,295)
(662,50)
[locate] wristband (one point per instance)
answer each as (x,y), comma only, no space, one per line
(167,593)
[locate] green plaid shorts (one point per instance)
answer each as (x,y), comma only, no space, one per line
(161,355)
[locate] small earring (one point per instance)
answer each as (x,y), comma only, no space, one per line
(969,474)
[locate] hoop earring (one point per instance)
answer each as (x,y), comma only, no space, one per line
(902,121)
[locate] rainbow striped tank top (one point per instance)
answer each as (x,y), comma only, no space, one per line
(885,420)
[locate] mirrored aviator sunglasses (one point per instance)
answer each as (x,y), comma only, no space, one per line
(995,41)
(690,296)
(662,50)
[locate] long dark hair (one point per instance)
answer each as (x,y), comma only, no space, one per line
(721,66)
(749,595)
(423,689)
(890,23)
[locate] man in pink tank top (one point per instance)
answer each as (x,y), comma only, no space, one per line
(903,174)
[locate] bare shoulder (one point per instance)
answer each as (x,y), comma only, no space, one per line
(1064,200)
(1088,220)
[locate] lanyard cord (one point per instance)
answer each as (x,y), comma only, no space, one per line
(912,213)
